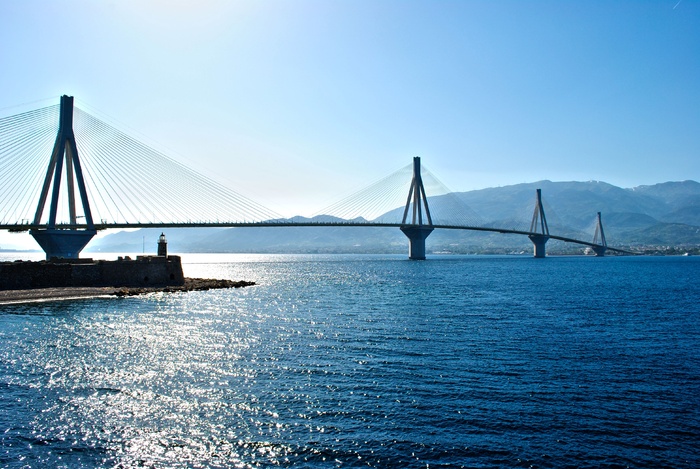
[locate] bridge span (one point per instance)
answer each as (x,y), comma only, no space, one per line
(66,237)
(287,224)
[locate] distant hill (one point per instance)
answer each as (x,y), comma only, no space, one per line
(575,203)
(627,213)
(661,214)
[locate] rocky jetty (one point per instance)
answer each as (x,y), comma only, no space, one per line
(144,271)
(191,284)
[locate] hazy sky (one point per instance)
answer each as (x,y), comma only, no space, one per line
(297,103)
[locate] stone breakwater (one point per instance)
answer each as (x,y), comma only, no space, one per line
(144,271)
(61,279)
(191,284)
(68,293)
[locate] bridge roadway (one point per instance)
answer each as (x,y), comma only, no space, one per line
(277,224)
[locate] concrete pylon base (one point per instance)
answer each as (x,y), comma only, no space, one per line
(416,240)
(539,241)
(599,250)
(65,244)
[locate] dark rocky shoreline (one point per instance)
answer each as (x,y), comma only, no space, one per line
(191,284)
(67,293)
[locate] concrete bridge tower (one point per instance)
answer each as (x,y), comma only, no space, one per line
(64,240)
(599,239)
(539,228)
(416,230)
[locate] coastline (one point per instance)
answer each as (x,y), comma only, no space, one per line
(72,293)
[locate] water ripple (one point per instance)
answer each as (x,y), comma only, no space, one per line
(361,361)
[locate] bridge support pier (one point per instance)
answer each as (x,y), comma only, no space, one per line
(68,241)
(599,250)
(539,241)
(539,228)
(417,202)
(599,236)
(65,244)
(416,241)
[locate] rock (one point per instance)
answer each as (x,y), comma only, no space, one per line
(191,284)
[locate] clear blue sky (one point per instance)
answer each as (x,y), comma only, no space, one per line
(296,103)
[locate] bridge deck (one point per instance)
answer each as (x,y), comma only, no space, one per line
(279,224)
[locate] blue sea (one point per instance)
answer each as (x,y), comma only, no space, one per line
(365,361)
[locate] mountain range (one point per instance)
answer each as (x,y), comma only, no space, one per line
(660,215)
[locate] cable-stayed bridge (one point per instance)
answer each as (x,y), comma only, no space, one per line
(64,175)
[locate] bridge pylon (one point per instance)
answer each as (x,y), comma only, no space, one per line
(64,240)
(539,228)
(416,230)
(601,245)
